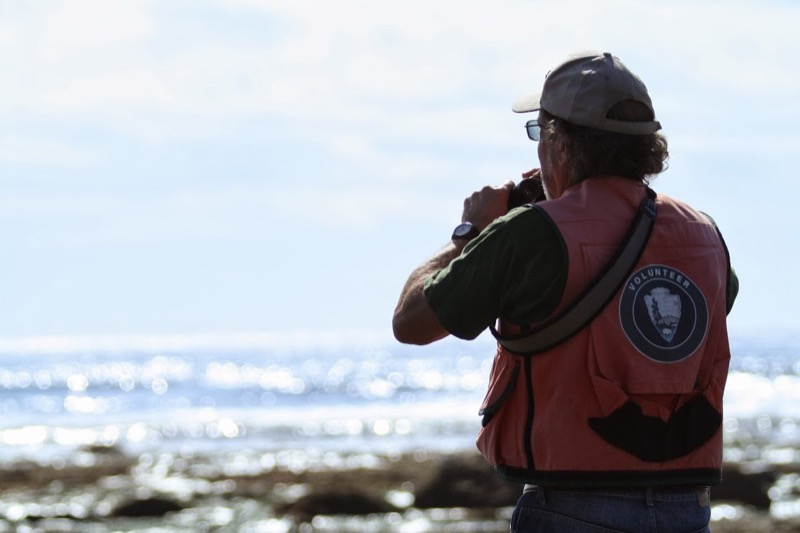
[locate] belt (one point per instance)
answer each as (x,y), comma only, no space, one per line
(703,491)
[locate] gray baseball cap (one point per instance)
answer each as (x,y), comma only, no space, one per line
(583,88)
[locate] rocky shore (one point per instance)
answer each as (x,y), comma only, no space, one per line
(101,489)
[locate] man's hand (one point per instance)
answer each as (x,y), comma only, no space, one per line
(484,206)
(532,173)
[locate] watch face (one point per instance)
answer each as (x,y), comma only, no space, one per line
(462,230)
(465,231)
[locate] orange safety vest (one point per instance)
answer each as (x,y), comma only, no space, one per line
(634,398)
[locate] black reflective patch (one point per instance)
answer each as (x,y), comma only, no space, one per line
(651,439)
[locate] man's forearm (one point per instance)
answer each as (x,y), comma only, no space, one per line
(414,321)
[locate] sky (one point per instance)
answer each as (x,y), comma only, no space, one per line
(221,167)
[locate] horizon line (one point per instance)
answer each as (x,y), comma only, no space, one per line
(115,342)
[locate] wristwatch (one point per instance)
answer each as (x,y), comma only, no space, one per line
(465,232)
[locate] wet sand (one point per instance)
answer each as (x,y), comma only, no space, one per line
(104,489)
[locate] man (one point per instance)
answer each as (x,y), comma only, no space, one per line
(617,426)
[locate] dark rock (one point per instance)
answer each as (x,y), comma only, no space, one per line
(335,502)
(102,449)
(155,506)
(466,481)
(747,487)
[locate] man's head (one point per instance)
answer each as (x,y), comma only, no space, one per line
(584,88)
(597,117)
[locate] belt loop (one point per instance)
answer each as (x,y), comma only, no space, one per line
(704,497)
(649,496)
(535,491)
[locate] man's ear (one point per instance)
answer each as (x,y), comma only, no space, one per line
(562,149)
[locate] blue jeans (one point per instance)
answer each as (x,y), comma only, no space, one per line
(634,510)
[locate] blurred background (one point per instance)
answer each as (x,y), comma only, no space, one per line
(209,207)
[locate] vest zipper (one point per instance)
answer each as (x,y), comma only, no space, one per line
(529,422)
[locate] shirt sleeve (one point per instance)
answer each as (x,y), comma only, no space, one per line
(733,279)
(516,268)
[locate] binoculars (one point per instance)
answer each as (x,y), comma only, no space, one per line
(527,191)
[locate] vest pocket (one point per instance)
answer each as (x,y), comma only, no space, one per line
(501,439)
(500,388)
(614,358)
(655,411)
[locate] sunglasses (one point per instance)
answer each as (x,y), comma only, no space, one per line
(534,129)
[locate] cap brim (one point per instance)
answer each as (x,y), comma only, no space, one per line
(526,104)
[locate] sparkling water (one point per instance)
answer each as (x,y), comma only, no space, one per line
(303,391)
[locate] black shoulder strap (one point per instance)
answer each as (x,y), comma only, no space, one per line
(596,296)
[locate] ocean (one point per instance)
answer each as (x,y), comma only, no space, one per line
(300,391)
(312,400)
